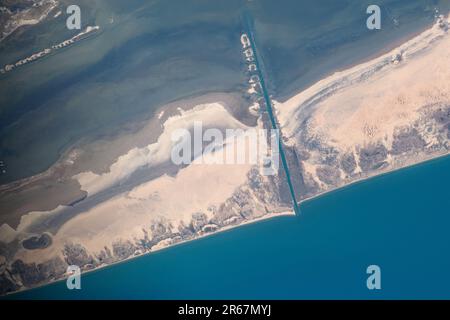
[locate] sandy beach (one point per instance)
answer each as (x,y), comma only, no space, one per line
(55,186)
(401,119)
(168,246)
(135,200)
(117,197)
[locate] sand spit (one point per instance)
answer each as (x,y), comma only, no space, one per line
(129,210)
(56,186)
(372,118)
(25,17)
(159,152)
(378,116)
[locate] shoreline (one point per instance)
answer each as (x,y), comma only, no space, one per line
(306,105)
(106,148)
(267,217)
(342,79)
(263,218)
(406,163)
(380,174)
(133,127)
(361,58)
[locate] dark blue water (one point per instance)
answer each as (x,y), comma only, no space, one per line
(398,221)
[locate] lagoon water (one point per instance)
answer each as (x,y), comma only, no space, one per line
(399,221)
(155,52)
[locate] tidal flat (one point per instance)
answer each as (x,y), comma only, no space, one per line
(88,180)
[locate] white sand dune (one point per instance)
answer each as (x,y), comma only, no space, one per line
(375,117)
(159,152)
(350,108)
(169,200)
(366,102)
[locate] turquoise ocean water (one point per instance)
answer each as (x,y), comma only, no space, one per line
(399,221)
